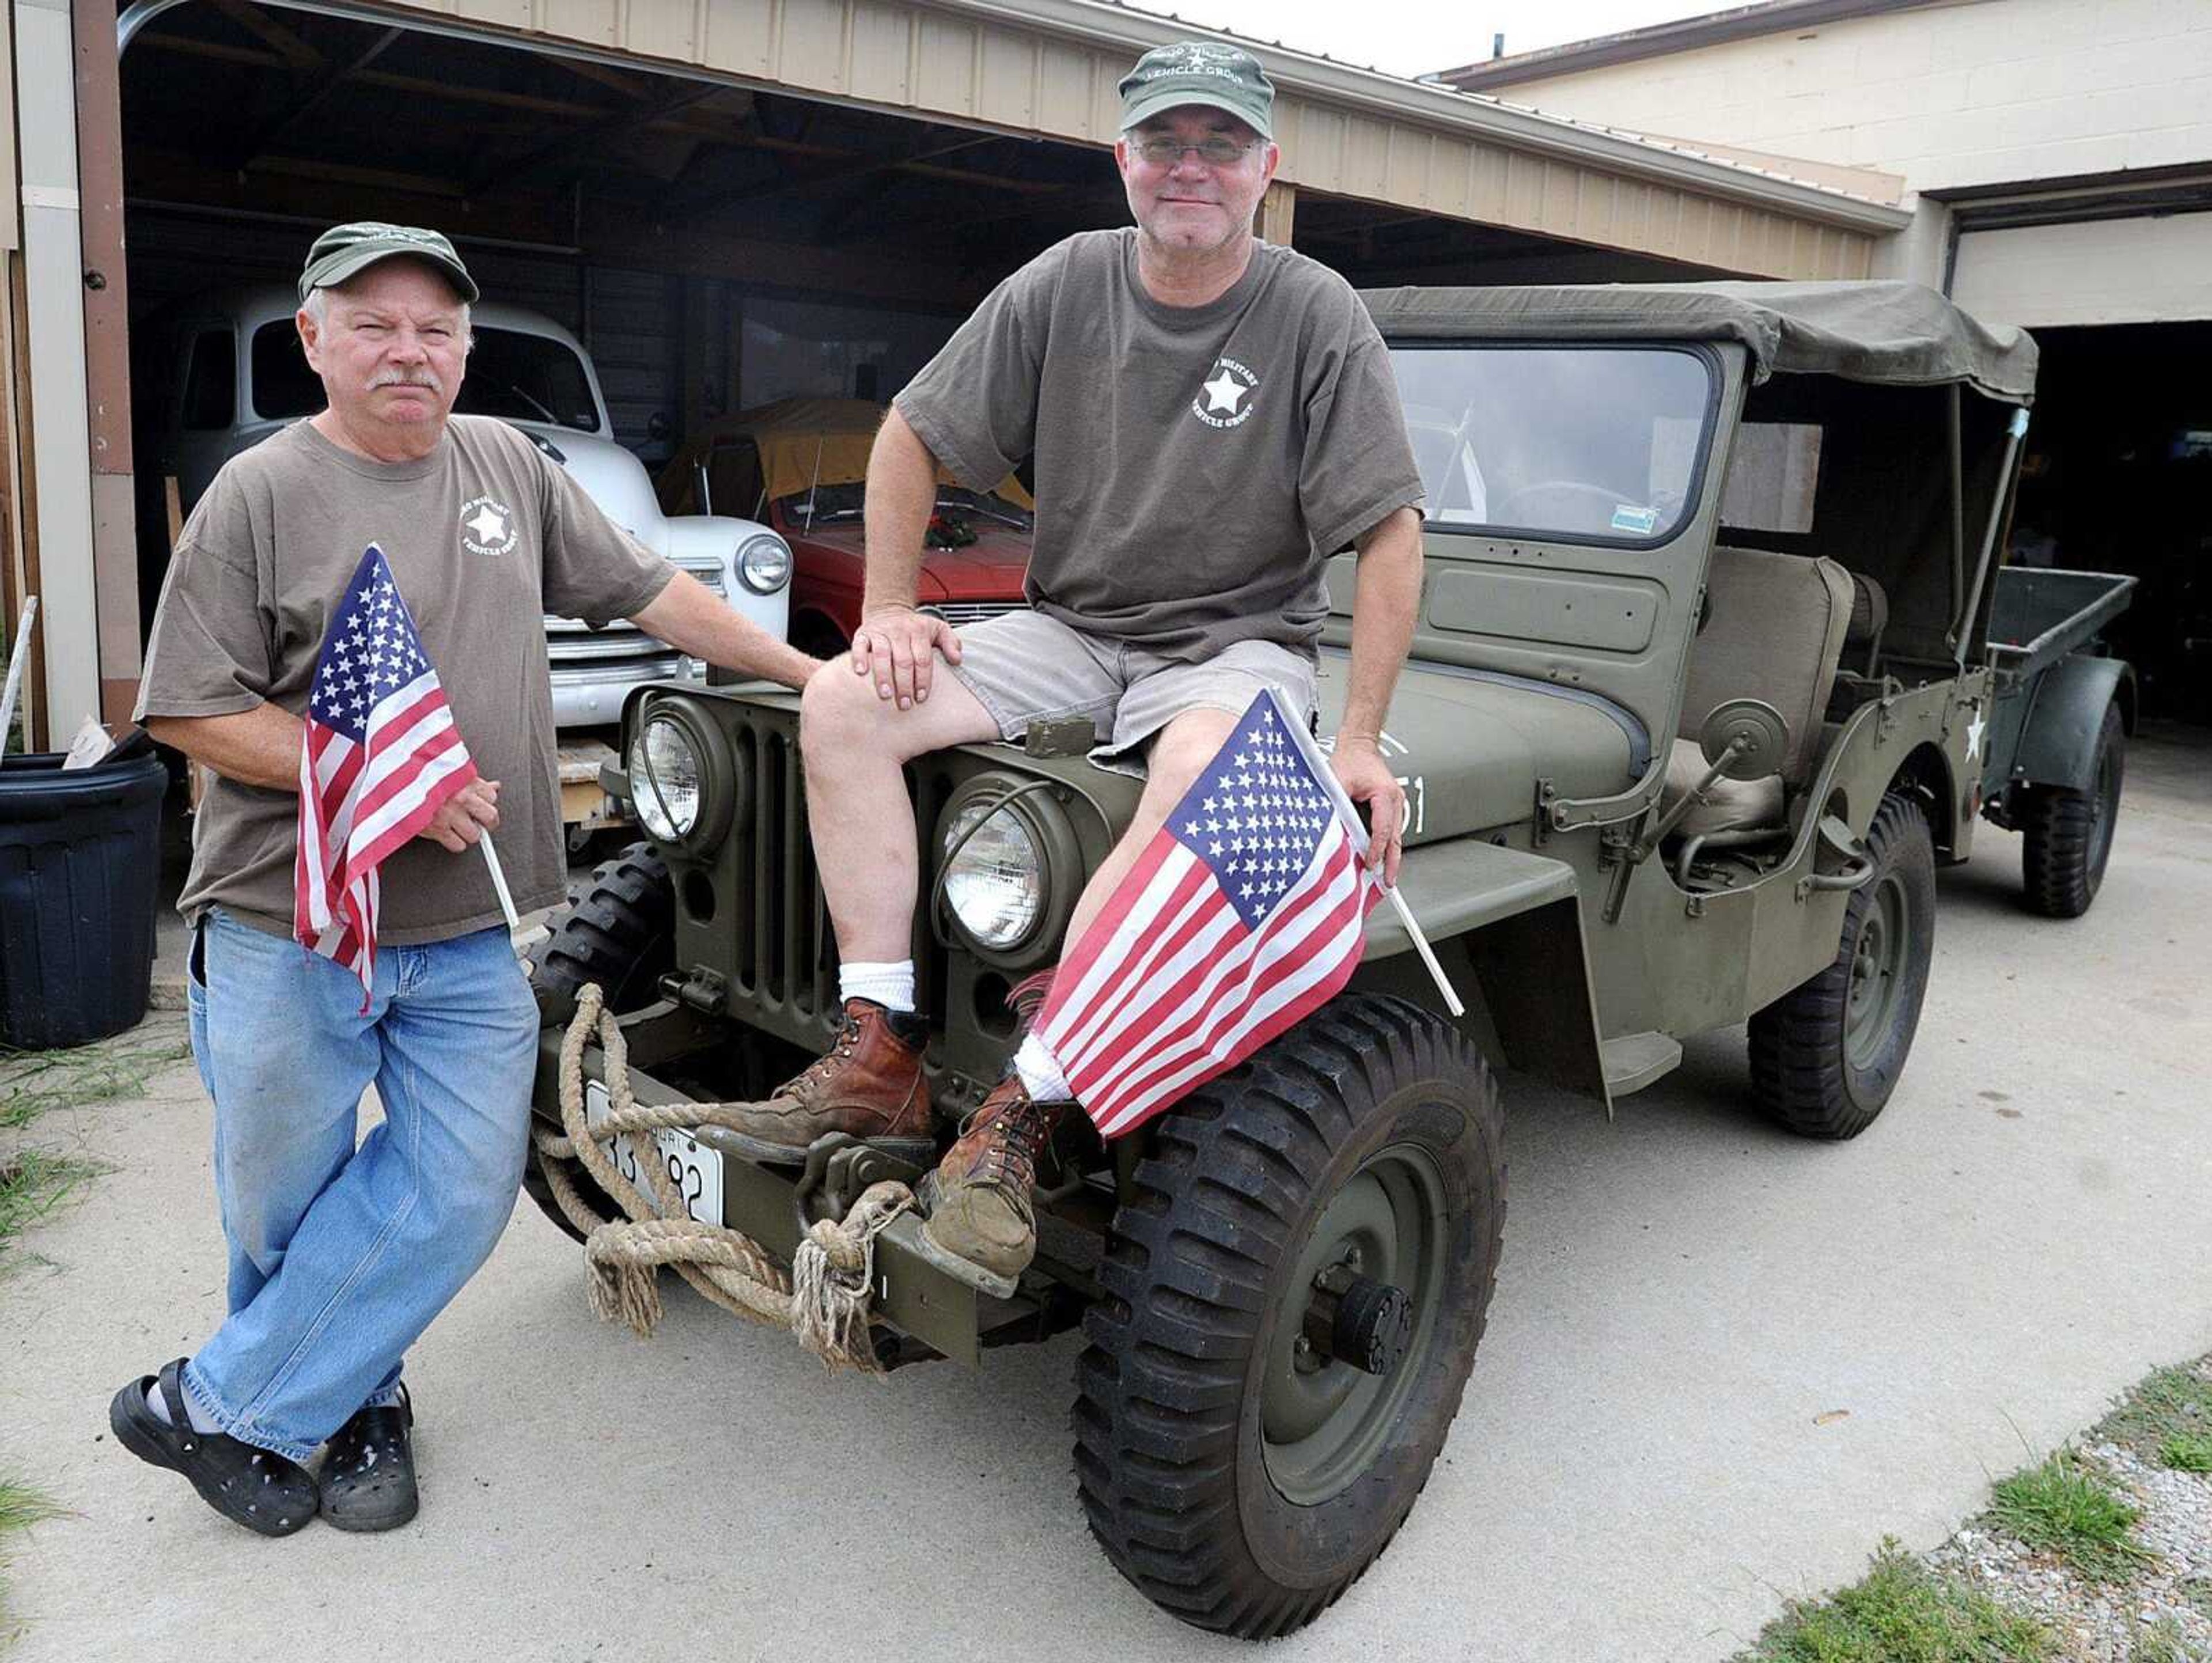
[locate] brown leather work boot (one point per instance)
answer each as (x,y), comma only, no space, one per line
(982,1217)
(869,1084)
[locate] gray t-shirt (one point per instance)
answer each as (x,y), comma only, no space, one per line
(1195,466)
(483,535)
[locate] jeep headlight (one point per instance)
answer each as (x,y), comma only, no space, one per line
(764,563)
(995,881)
(667,778)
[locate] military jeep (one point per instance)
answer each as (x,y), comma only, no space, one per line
(1696,706)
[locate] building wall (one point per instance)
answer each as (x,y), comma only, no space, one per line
(1980,93)
(2103,271)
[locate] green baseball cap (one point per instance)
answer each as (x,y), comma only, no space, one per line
(346,250)
(1205,72)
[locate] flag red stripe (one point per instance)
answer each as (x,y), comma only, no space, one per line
(1076,965)
(1139,1099)
(1169,930)
(1194,1004)
(1198,977)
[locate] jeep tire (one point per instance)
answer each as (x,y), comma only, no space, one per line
(2067,834)
(620,933)
(1826,1057)
(1241,1475)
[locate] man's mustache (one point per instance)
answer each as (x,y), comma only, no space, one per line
(422,379)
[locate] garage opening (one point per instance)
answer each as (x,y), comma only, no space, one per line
(2116,478)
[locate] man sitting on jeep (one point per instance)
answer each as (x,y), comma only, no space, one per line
(1212,417)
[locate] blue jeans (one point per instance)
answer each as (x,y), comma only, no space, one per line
(340,1256)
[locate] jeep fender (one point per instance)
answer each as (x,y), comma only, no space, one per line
(1506,926)
(2058,743)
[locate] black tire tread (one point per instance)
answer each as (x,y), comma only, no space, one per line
(1158,1416)
(616,931)
(2058,828)
(1796,1042)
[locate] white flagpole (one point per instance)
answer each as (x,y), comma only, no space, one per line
(499,882)
(15,661)
(1349,815)
(1428,954)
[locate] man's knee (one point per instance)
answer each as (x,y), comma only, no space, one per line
(1185,746)
(839,713)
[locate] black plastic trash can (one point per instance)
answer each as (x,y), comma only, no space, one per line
(80,867)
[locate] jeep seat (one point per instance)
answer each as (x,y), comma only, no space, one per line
(1774,631)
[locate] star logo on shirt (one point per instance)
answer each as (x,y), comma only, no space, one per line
(487,526)
(1225,398)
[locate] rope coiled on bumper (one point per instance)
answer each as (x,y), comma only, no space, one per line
(825,1299)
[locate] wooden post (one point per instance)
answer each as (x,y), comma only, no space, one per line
(1276,209)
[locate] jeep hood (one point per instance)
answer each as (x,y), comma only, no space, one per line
(1471,744)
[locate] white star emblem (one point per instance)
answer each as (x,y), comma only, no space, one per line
(1974,730)
(488,523)
(1225,392)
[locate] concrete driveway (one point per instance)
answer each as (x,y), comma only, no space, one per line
(1721,1365)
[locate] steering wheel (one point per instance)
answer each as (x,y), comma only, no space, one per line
(1508,509)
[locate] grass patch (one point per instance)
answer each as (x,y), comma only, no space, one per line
(1900,1612)
(31,1083)
(2164,1642)
(2063,1507)
(20,1507)
(2188,1452)
(32,1183)
(2173,1403)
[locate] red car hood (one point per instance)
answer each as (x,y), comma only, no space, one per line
(990,569)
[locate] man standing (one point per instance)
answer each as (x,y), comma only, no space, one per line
(340,1256)
(1212,417)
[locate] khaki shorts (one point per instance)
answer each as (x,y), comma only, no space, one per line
(1026,667)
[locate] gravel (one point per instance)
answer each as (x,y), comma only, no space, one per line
(2164,1610)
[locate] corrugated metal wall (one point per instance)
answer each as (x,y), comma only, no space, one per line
(990,69)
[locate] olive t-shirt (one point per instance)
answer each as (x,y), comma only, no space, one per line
(1195,466)
(484,536)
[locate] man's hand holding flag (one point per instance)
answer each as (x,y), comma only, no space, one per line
(380,757)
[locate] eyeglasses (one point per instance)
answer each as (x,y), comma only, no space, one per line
(1218,151)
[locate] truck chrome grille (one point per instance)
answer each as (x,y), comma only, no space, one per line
(957,613)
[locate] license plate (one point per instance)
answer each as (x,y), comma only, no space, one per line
(695,1170)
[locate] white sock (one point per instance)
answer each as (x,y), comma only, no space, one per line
(198,1416)
(890,985)
(1040,1073)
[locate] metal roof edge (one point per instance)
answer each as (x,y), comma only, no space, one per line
(1662,40)
(1101,22)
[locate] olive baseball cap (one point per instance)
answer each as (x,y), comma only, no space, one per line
(1205,72)
(346,250)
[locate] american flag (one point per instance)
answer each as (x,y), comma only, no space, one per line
(379,757)
(1245,912)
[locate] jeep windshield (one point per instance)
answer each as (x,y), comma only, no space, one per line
(1579,444)
(519,376)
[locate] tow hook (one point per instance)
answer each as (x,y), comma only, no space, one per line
(1357,1320)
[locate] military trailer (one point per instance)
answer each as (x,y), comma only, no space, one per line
(1698,703)
(2057,743)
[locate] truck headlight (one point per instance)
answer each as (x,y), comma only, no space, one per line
(667,778)
(764,563)
(995,882)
